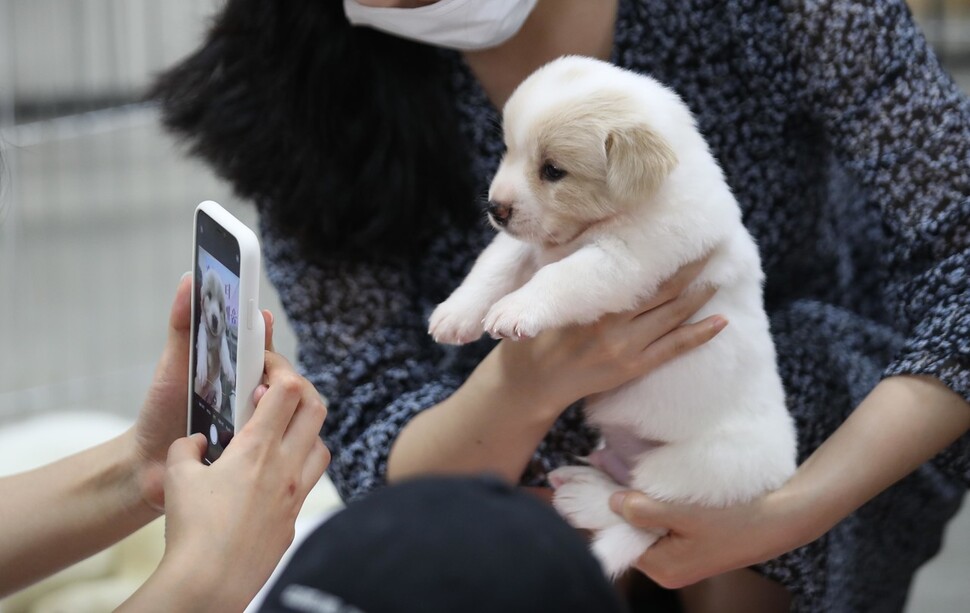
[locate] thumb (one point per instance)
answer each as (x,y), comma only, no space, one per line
(181,313)
(640,511)
(187,449)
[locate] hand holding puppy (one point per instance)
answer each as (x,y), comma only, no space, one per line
(703,541)
(566,364)
(902,423)
(495,421)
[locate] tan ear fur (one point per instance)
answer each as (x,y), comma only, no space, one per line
(637,162)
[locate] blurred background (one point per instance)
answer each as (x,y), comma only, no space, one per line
(95,226)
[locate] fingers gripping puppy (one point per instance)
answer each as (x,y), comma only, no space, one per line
(606,189)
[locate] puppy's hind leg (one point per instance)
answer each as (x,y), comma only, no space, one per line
(718,468)
(618,547)
(583,496)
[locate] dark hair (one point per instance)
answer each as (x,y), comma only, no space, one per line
(346,136)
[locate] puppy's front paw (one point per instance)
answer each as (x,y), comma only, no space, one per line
(516,316)
(202,374)
(455,322)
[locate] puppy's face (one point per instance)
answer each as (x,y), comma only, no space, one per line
(573,158)
(213,304)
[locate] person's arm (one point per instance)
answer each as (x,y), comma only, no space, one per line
(904,422)
(59,514)
(227,525)
(495,421)
(899,125)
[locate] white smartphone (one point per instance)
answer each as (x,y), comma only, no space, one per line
(228,333)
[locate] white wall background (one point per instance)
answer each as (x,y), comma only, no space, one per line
(71,49)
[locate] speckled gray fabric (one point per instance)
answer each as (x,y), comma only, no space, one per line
(849,150)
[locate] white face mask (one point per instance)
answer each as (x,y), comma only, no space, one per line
(455,24)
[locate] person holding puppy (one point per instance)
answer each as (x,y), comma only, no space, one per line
(845,143)
(226,525)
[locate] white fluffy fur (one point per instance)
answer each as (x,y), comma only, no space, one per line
(710,427)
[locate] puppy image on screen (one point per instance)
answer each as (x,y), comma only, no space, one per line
(214,360)
(606,189)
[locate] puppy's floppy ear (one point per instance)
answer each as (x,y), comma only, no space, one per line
(637,162)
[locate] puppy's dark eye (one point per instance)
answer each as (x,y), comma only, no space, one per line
(551,172)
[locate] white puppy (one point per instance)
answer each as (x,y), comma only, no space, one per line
(212,347)
(606,189)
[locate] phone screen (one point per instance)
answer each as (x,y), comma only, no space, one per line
(214,332)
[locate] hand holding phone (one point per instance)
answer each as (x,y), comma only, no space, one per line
(226,362)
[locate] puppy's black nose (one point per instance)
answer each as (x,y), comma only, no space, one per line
(499,212)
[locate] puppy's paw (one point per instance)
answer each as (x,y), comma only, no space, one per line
(455,322)
(516,316)
(564,474)
(582,497)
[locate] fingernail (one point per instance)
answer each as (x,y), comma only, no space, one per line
(187,273)
(616,502)
(719,324)
(269,314)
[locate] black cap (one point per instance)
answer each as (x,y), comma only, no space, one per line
(444,545)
